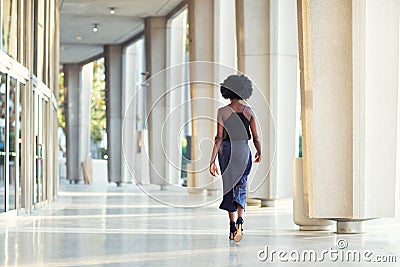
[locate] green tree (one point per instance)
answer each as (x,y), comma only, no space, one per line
(98,106)
(61,102)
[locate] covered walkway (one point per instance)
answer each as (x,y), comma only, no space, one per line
(106,225)
(146,76)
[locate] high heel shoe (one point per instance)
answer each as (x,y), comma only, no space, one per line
(232,230)
(239,229)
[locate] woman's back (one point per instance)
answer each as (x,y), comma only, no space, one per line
(236,124)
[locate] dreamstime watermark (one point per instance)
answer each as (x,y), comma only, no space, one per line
(340,253)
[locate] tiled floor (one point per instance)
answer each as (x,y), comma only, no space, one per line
(107,226)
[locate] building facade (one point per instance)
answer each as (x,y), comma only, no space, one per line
(29,56)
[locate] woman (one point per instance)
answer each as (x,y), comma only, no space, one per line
(234,123)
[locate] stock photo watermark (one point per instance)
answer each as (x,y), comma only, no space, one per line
(340,253)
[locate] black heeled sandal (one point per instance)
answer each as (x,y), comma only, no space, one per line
(239,230)
(232,230)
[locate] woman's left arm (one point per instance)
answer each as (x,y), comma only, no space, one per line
(256,140)
(217,143)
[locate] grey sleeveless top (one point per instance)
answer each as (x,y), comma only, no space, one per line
(236,127)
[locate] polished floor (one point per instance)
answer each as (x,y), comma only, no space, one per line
(109,226)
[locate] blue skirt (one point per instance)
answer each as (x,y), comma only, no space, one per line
(235,164)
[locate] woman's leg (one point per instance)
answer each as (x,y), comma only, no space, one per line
(240,210)
(239,224)
(231,216)
(232,225)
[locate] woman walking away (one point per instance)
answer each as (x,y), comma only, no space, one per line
(234,123)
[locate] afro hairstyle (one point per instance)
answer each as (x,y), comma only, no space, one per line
(236,87)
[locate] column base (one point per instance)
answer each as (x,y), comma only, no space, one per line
(163,187)
(299,203)
(315,228)
(211,192)
(195,191)
(349,227)
(267,203)
(253,202)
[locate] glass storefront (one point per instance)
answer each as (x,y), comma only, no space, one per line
(3,86)
(38,183)
(9,27)
(18,170)
(29,63)
(10,148)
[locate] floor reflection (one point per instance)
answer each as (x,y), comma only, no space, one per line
(123,226)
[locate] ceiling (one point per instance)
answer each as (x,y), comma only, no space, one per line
(78,17)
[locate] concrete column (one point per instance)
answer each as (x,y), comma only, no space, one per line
(71,85)
(267,53)
(201,47)
(129,109)
(224,54)
(299,216)
(155,41)
(284,85)
(142,163)
(253,47)
(225,41)
(176,50)
(85,100)
(114,112)
(350,109)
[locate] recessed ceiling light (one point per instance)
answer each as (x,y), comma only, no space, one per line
(78,38)
(95,28)
(112,10)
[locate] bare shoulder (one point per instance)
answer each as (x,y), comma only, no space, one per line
(224,110)
(221,109)
(248,112)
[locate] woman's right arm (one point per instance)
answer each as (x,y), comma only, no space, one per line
(217,144)
(256,140)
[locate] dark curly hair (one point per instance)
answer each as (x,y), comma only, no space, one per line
(236,87)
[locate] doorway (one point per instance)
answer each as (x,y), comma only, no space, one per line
(10,132)
(40,118)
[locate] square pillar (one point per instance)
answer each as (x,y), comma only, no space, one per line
(71,85)
(176,86)
(155,42)
(203,93)
(349,63)
(85,104)
(267,54)
(78,85)
(129,108)
(114,111)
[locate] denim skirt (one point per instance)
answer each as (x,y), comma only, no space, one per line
(235,163)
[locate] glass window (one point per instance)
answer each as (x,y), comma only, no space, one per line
(26,37)
(3,87)
(38,183)
(10,28)
(18,173)
(39,37)
(12,127)
(21,32)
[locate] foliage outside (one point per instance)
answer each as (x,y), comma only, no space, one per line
(61,102)
(98,106)
(98,103)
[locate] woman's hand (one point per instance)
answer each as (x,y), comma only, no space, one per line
(257,157)
(213,169)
